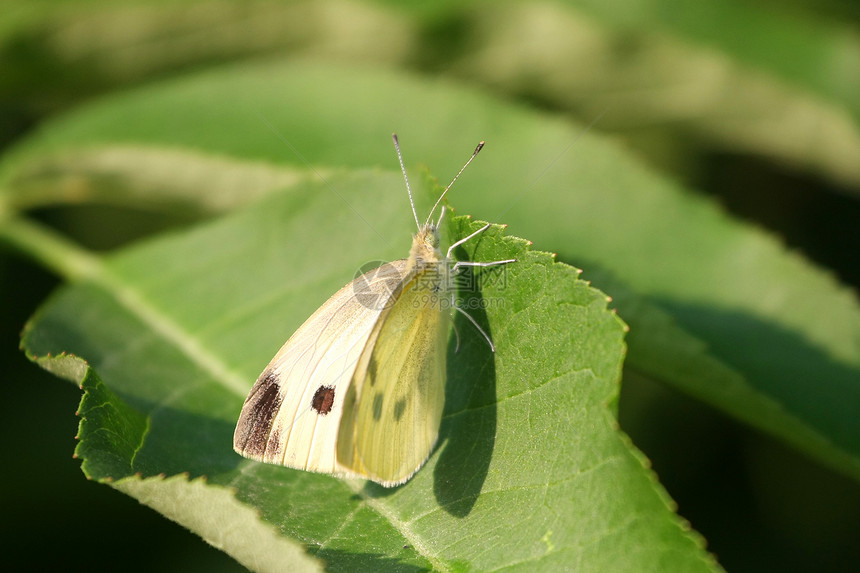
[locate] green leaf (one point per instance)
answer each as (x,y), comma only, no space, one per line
(773,81)
(111,434)
(157,179)
(773,339)
(530,458)
(213,512)
(671,75)
(51,59)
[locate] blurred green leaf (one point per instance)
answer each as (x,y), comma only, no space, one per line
(666,74)
(675,76)
(58,52)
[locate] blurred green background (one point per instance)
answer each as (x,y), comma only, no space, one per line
(754,103)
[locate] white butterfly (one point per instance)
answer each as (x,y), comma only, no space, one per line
(358,390)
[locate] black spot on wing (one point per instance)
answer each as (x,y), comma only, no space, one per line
(372,367)
(266,403)
(377,407)
(323,400)
(266,379)
(274,445)
(399,408)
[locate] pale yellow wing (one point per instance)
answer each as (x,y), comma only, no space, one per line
(292,414)
(393,407)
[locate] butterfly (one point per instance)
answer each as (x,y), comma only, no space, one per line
(358,390)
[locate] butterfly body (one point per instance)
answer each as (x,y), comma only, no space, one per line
(359,389)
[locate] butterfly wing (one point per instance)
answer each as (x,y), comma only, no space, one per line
(292,413)
(393,407)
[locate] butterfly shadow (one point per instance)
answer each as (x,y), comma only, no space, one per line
(468,430)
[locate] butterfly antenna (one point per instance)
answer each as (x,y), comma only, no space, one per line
(442,196)
(405,178)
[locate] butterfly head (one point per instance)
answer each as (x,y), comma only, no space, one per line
(425,246)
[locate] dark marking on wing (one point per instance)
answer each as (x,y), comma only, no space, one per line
(268,401)
(274,445)
(399,408)
(323,400)
(372,367)
(377,407)
(265,379)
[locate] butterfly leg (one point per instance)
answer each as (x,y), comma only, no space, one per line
(459,264)
(457,335)
(474,322)
(461,241)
